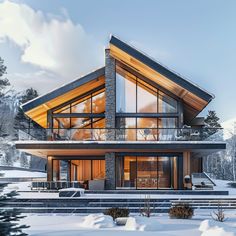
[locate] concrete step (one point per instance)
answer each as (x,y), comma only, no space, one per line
(159,192)
(80,210)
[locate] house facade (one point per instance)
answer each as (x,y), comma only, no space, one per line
(132,123)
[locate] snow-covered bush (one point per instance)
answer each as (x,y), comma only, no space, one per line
(210,228)
(181,211)
(116,212)
(141,223)
(97,221)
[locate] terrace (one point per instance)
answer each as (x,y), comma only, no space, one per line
(185,133)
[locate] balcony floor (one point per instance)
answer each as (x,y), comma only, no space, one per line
(75,148)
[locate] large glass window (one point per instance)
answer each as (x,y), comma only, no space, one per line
(78,170)
(81,119)
(166,104)
(146,98)
(146,172)
(125,93)
(146,128)
(133,95)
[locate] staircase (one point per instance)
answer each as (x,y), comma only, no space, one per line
(98,205)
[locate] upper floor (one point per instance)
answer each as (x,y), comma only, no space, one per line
(131,98)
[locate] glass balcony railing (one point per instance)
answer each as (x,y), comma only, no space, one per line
(123,134)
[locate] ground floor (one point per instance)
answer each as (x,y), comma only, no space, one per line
(125,170)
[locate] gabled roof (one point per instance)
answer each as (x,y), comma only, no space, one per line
(37,108)
(194,97)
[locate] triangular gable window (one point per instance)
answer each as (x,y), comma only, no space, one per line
(134,95)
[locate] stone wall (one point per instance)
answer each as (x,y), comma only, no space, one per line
(110,171)
(110,115)
(110,84)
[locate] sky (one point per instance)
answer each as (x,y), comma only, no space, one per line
(49,43)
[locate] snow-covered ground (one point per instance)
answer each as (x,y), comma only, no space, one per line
(99,225)
(22,173)
(201,224)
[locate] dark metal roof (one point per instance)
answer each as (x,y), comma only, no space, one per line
(64,89)
(161,69)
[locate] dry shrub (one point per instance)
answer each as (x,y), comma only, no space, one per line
(116,212)
(181,211)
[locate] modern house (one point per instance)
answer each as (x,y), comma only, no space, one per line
(132,123)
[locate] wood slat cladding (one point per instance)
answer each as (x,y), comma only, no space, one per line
(188,97)
(39,113)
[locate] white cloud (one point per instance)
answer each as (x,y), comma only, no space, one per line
(49,42)
(42,81)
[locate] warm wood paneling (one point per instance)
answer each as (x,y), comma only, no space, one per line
(187,96)
(39,113)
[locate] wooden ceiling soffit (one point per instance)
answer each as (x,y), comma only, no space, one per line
(39,113)
(187,96)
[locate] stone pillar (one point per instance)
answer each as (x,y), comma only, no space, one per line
(186,168)
(110,171)
(49,168)
(110,84)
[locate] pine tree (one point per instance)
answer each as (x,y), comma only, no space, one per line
(21,120)
(4,82)
(8,218)
(212,124)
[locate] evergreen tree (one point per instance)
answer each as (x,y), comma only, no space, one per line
(212,124)
(8,218)
(4,82)
(21,120)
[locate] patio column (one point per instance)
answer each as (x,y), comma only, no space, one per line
(110,171)
(49,168)
(110,84)
(186,167)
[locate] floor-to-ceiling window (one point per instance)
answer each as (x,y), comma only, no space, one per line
(147,172)
(78,170)
(143,112)
(82,118)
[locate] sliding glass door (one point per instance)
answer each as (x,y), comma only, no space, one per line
(146,172)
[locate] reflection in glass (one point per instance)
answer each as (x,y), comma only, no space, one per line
(98,102)
(64,170)
(126,172)
(146,99)
(126,128)
(134,95)
(167,129)
(166,104)
(125,94)
(147,129)
(146,172)
(83,106)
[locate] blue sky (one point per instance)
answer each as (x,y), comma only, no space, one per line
(48,43)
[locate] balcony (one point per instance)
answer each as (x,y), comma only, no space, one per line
(122,134)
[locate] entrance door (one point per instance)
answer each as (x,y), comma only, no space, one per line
(147,174)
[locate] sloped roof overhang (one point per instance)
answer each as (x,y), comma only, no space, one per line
(37,108)
(194,97)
